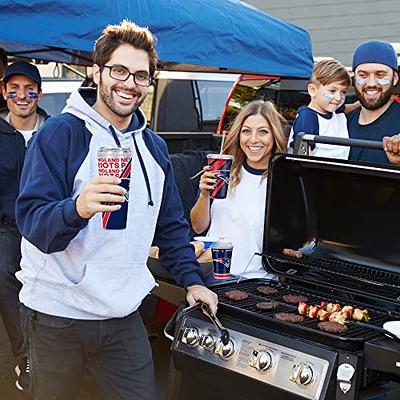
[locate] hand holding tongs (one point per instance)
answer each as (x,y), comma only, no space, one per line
(225,337)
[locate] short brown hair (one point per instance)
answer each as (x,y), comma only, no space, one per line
(232,145)
(326,72)
(126,32)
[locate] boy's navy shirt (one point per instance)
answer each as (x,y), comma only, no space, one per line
(388,124)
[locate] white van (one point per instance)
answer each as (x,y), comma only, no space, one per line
(182,107)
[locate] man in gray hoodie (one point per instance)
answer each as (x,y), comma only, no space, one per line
(82,284)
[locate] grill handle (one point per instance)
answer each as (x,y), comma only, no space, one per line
(169,328)
(303,140)
(179,313)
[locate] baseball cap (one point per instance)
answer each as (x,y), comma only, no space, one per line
(379,52)
(23,68)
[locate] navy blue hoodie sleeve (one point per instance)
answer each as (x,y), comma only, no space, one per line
(45,210)
(172,233)
(306,122)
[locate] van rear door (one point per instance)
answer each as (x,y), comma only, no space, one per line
(186,107)
(288,94)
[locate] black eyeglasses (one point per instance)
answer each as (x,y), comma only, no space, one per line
(121,73)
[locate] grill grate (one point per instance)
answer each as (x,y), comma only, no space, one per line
(342,268)
(246,310)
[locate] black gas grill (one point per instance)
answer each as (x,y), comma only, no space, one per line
(344,220)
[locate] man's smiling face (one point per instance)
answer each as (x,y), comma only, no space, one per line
(122,98)
(19,93)
(373,84)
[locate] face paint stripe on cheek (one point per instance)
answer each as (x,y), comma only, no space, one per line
(30,95)
(382,82)
(330,96)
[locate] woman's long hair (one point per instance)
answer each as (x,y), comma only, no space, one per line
(232,143)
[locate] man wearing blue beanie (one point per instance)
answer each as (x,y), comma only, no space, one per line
(376,73)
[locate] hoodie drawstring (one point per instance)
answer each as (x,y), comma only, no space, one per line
(146,178)
(114,135)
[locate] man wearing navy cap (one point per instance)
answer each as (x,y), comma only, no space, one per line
(18,121)
(376,73)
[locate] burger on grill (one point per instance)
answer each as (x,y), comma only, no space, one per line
(332,327)
(267,290)
(294,298)
(289,317)
(236,295)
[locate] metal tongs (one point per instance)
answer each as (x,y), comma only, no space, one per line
(225,337)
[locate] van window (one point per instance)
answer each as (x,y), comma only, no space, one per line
(210,101)
(287,94)
(53,103)
(189,105)
(56,93)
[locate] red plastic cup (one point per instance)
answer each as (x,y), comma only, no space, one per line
(222,164)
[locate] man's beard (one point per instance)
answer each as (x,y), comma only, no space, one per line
(106,94)
(379,102)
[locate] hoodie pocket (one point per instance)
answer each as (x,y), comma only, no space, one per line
(110,290)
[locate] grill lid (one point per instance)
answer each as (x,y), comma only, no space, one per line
(343,217)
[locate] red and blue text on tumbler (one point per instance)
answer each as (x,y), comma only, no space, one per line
(222,164)
(116,162)
(222,255)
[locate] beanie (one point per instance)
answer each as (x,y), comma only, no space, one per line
(375,52)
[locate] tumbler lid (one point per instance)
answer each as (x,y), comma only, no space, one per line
(222,243)
(221,156)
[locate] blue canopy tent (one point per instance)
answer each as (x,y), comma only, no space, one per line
(209,35)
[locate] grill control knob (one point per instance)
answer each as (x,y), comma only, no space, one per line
(264,360)
(208,342)
(261,360)
(190,336)
(226,351)
(302,375)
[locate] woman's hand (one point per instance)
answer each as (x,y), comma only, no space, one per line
(207,181)
(200,213)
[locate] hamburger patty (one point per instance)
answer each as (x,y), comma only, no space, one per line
(267,290)
(266,305)
(289,317)
(294,298)
(332,327)
(236,295)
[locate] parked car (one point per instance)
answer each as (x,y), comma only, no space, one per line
(56,93)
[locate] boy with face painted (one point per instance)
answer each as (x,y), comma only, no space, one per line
(376,73)
(21,91)
(324,115)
